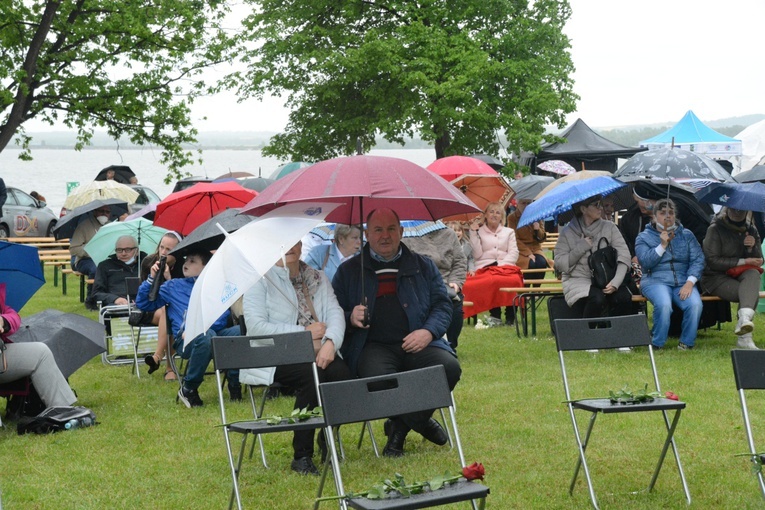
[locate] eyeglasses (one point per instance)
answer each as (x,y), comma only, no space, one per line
(124,250)
(597,205)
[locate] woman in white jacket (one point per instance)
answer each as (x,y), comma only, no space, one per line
(293,296)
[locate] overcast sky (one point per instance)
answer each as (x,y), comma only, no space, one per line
(636,63)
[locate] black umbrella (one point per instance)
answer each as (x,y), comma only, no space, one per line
(756,174)
(489,160)
(672,163)
(122,173)
(68,224)
(208,236)
(73,339)
(256,183)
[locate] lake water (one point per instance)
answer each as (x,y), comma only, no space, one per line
(51,169)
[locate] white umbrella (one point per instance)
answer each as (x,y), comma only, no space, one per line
(244,257)
(100,190)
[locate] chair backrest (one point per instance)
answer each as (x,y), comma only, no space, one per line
(557,308)
(602,333)
(748,369)
(237,352)
(372,398)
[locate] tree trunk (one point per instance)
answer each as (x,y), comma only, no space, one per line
(443,142)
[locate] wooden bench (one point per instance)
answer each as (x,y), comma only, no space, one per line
(43,243)
(83,281)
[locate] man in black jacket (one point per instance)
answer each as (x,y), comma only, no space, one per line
(109,286)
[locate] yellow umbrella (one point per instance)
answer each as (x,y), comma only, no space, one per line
(100,190)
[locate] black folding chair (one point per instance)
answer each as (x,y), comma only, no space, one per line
(749,371)
(613,333)
(240,352)
(373,398)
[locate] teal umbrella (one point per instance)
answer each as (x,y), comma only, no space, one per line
(289,168)
(144,231)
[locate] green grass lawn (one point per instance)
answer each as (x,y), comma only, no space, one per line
(149,452)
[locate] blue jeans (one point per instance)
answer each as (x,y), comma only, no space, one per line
(199,354)
(662,297)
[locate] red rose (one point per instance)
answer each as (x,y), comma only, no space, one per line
(474,471)
(670,395)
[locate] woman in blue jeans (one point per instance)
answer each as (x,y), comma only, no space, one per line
(672,262)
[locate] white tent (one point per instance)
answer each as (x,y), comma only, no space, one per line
(753,147)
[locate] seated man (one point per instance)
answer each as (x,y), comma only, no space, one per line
(109,287)
(31,359)
(175,294)
(409,311)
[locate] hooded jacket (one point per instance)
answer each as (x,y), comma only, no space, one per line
(682,259)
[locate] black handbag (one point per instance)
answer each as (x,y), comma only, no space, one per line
(602,264)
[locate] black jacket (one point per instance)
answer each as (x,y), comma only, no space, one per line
(109,283)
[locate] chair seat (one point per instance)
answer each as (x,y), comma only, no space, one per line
(257,427)
(604,405)
(460,491)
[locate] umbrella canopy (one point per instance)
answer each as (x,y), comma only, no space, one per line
(146,211)
(556,166)
(256,183)
(183,211)
(236,266)
(454,167)
(233,175)
(576,176)
(673,163)
(493,162)
(412,228)
(481,190)
(362,184)
(563,198)
(528,187)
(757,173)
(144,231)
(21,272)
(73,339)
(208,236)
(68,224)
(122,173)
(742,196)
(100,190)
(289,168)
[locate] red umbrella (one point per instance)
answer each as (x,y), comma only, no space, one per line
(453,167)
(365,183)
(183,211)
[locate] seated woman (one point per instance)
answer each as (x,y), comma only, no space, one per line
(672,263)
(529,239)
(327,257)
(578,239)
(291,297)
(31,359)
(495,253)
(734,255)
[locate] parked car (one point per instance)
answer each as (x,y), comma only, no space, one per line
(146,196)
(188,182)
(24,216)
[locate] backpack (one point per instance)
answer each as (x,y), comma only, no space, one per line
(56,419)
(602,264)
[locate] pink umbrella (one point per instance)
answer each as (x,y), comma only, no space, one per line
(366,183)
(454,167)
(183,211)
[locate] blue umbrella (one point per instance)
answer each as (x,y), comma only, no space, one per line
(748,196)
(563,197)
(21,273)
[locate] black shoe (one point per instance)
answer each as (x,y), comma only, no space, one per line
(236,393)
(151,363)
(396,437)
(434,433)
(305,466)
(91,305)
(190,398)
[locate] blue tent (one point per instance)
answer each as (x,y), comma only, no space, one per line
(693,135)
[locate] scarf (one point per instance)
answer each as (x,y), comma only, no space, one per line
(308,279)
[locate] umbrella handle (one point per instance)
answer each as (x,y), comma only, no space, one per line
(365,320)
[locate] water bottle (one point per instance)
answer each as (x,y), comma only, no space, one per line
(158,279)
(72,424)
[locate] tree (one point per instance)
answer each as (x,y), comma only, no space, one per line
(129,66)
(457,72)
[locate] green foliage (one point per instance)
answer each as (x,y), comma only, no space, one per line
(130,67)
(455,72)
(627,396)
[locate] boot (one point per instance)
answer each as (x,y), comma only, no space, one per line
(745,342)
(745,324)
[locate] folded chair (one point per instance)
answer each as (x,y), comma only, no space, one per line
(749,371)
(613,333)
(240,352)
(373,398)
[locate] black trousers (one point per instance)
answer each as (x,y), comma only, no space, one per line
(383,359)
(598,304)
(300,378)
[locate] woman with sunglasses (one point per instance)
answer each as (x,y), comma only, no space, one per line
(578,239)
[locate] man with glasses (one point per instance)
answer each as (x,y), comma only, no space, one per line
(109,287)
